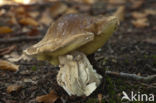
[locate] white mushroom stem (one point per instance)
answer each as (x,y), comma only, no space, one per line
(77,75)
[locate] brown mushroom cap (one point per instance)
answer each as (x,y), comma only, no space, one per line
(74,31)
(67,30)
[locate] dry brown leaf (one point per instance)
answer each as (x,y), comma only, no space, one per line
(7,50)
(5,65)
(140,23)
(45,18)
(26,29)
(100,98)
(71,11)
(14,57)
(57,9)
(5,29)
(49,98)
(137,4)
(28,21)
(151,40)
(138,15)
(20,10)
(150,12)
(34,14)
(13,20)
(120,13)
(13,88)
(89,1)
(2,12)
(83,7)
(117,1)
(141,18)
(33,32)
(139,74)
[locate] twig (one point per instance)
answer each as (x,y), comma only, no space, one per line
(7,50)
(19,39)
(149,86)
(132,76)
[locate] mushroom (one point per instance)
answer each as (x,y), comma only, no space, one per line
(67,42)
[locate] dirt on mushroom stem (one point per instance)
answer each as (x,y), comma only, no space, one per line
(76,74)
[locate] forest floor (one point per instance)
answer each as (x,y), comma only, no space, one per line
(131,50)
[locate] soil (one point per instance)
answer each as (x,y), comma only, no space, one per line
(126,51)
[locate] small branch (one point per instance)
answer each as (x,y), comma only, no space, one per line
(7,50)
(20,39)
(149,86)
(132,76)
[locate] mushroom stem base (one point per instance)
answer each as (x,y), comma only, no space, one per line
(77,75)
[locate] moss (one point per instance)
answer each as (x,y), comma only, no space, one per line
(111,90)
(114,88)
(135,62)
(138,102)
(92,100)
(146,56)
(34,68)
(126,61)
(154,58)
(104,61)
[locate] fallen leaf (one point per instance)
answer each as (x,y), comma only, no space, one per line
(20,10)
(34,14)
(49,98)
(150,11)
(100,98)
(13,20)
(26,29)
(14,57)
(151,40)
(45,18)
(139,74)
(138,15)
(7,50)
(136,3)
(141,19)
(71,11)
(13,88)
(11,57)
(140,23)
(57,9)
(83,7)
(89,1)
(117,1)
(33,32)
(28,21)
(2,12)
(5,65)
(120,13)
(5,29)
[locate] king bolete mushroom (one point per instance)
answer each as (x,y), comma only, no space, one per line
(67,42)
